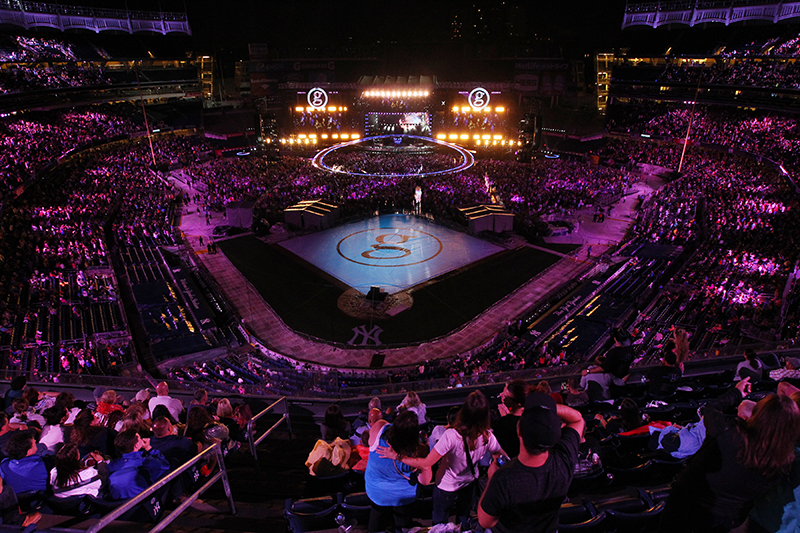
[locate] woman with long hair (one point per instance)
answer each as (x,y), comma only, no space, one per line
(738,462)
(335,424)
(460,449)
(390,483)
(681,340)
(628,418)
(413,403)
(73,476)
(225,415)
(88,436)
(133,418)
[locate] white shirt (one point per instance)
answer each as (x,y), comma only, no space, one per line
(92,489)
(174,405)
(421,411)
(71,415)
(453,473)
(436,434)
(51,436)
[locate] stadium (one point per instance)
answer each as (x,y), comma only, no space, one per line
(287,240)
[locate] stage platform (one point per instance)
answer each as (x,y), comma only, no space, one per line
(393,252)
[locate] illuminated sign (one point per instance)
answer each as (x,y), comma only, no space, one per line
(317,97)
(479,98)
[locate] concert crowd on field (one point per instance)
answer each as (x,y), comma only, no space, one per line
(529,190)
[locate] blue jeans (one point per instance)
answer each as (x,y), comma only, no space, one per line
(446,503)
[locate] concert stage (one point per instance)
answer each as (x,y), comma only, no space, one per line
(452,278)
(393,252)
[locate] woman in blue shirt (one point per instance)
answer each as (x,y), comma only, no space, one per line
(390,484)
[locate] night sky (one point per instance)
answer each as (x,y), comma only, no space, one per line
(578,26)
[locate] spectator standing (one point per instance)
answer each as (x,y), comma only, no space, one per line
(512,405)
(526,494)
(389,483)
(460,449)
(413,403)
(662,381)
(439,430)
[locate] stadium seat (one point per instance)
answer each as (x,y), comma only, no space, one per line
(638,522)
(311,514)
(636,475)
(578,515)
(356,506)
(589,482)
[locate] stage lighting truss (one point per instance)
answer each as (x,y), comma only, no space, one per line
(395,94)
(467,159)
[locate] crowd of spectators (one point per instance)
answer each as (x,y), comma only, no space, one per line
(639,446)
(529,190)
(82,454)
(762,73)
(743,219)
(24,55)
(59,293)
(23,49)
(765,133)
(33,140)
(18,79)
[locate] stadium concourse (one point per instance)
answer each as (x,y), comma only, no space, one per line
(592,236)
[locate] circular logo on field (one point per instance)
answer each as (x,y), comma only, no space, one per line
(389,247)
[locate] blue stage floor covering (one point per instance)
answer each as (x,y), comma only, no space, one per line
(393,252)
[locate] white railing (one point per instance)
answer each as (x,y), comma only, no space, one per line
(691,13)
(36,14)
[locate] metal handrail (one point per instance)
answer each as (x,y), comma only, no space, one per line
(251,425)
(215,449)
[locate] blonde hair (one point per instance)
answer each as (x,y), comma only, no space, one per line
(411,399)
(224,409)
(681,345)
(108,396)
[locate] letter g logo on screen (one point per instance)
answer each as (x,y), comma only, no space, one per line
(317,97)
(389,247)
(479,98)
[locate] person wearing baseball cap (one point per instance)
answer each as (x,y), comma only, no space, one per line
(525,495)
(791,370)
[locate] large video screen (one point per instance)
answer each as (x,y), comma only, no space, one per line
(411,123)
